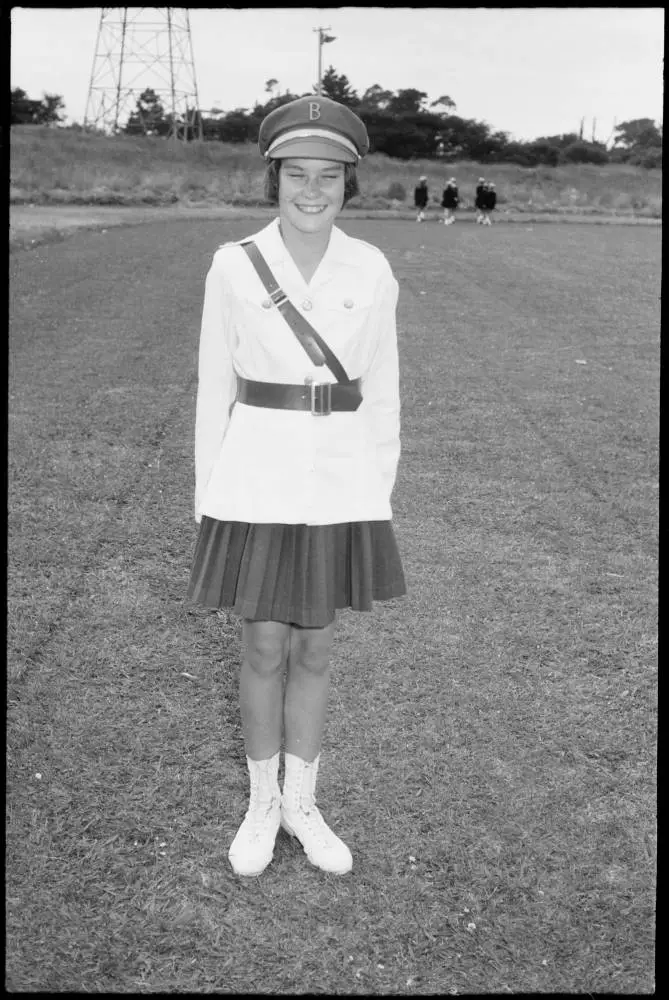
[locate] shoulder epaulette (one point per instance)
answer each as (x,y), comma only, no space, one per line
(370,246)
(231,243)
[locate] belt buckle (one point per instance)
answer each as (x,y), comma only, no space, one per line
(321,398)
(278,297)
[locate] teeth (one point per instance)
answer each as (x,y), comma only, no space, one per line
(311,209)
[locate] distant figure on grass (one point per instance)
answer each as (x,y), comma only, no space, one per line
(420,196)
(479,199)
(489,203)
(295,461)
(449,201)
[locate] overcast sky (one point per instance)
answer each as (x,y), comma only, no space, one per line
(526,71)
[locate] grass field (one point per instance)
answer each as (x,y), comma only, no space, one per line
(490,752)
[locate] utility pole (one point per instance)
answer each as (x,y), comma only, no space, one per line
(323,39)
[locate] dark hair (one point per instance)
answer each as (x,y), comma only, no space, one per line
(351,188)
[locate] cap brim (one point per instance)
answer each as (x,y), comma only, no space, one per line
(314,149)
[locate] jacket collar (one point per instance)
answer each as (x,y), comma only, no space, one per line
(273,249)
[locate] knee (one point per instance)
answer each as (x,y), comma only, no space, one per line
(314,656)
(266,654)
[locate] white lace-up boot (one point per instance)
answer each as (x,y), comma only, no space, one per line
(253,847)
(301,818)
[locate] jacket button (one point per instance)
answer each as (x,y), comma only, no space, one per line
(306,305)
(348,303)
(267,304)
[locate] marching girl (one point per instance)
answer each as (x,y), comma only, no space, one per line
(489,203)
(450,201)
(479,201)
(296,452)
(420,197)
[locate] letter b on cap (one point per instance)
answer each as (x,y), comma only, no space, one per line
(314,111)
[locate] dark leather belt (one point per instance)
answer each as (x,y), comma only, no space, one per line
(318,398)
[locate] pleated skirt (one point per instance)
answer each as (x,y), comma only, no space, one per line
(295,573)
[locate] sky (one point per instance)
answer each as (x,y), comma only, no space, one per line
(525,71)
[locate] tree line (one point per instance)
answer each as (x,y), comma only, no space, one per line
(24,111)
(402,124)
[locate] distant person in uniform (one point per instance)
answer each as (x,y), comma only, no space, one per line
(449,201)
(296,450)
(420,197)
(489,203)
(479,199)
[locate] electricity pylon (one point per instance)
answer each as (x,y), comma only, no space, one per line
(142,48)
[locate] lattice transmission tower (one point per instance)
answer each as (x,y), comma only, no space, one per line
(139,49)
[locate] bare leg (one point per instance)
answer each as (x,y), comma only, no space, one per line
(260,698)
(304,714)
(307,686)
(266,646)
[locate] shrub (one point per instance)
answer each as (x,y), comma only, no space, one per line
(396,191)
(619,155)
(650,157)
(545,153)
(585,152)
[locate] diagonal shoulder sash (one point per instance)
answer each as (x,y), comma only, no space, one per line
(311,341)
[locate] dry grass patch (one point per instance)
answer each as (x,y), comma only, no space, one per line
(60,166)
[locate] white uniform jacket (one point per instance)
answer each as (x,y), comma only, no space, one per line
(287,466)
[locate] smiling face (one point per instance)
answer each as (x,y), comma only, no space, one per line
(311,193)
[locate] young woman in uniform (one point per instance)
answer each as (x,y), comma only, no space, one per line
(420,196)
(480,199)
(489,203)
(295,464)
(449,201)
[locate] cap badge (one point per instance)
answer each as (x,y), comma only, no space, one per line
(314,111)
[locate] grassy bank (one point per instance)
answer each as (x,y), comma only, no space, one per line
(60,167)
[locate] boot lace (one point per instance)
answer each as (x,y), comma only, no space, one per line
(258,815)
(259,812)
(313,820)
